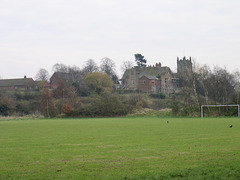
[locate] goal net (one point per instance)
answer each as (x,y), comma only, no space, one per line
(236,106)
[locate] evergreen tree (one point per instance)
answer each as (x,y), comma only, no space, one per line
(140,60)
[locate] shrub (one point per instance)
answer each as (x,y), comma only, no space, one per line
(67,108)
(4,110)
(134,99)
(22,109)
(190,111)
(158,104)
(25,96)
(174,104)
(107,106)
(126,91)
(159,96)
(27,107)
(7,105)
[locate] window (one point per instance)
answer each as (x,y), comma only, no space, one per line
(144,81)
(132,81)
(153,81)
(166,80)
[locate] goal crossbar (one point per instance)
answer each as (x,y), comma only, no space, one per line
(227,105)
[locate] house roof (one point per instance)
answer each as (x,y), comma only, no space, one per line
(125,74)
(15,82)
(149,72)
(63,75)
(149,77)
(164,70)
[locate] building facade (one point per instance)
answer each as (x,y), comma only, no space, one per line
(155,79)
(59,79)
(17,84)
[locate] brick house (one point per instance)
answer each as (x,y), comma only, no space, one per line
(17,84)
(151,79)
(61,78)
(149,84)
(155,79)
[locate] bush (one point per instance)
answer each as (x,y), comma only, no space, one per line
(107,106)
(81,89)
(221,111)
(67,108)
(22,109)
(137,100)
(126,91)
(159,96)
(158,104)
(26,96)
(4,110)
(7,105)
(27,107)
(190,111)
(174,104)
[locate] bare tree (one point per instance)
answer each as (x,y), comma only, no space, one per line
(222,86)
(204,74)
(126,65)
(73,69)
(90,67)
(42,75)
(59,68)
(75,72)
(108,66)
(47,104)
(236,76)
(194,80)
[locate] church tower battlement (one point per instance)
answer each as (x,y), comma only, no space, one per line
(184,65)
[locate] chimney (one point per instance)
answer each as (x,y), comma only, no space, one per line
(158,64)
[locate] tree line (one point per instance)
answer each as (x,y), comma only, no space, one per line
(91,89)
(206,86)
(92,92)
(107,66)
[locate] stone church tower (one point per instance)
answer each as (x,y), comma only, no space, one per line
(184,71)
(184,65)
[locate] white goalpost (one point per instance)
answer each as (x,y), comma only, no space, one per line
(227,105)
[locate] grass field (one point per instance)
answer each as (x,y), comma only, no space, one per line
(120,148)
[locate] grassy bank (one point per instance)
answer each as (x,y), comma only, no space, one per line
(120,148)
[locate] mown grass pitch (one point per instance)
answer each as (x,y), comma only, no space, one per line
(120,148)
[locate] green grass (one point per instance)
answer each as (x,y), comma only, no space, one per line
(120,148)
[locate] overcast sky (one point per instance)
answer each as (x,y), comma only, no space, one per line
(37,34)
